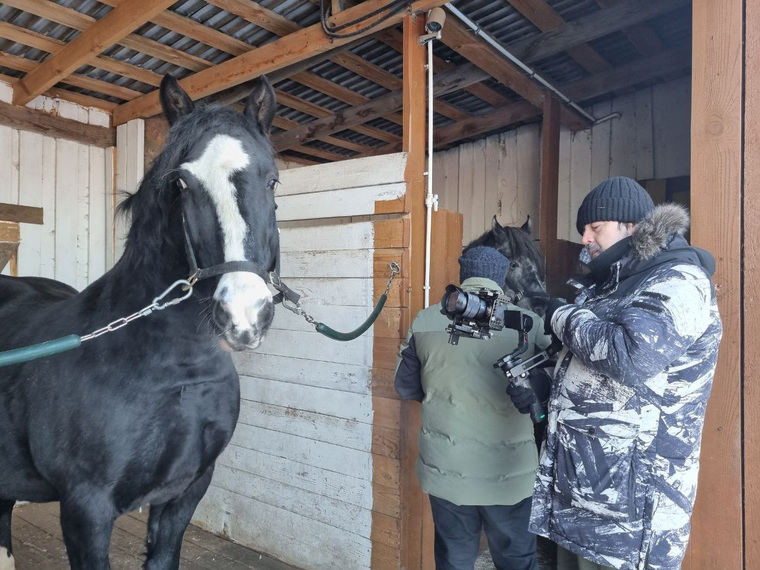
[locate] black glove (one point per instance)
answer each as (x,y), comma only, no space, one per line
(522,397)
(551,306)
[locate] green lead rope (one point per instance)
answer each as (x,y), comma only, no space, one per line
(27,353)
(336,335)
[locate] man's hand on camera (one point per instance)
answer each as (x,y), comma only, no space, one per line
(521,396)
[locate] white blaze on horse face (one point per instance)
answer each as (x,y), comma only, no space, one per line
(242,294)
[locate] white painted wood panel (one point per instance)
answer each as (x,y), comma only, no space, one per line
(296,473)
(300,466)
(69,181)
(297,539)
(359,173)
(650,139)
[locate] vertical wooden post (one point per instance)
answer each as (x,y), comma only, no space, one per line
(751,282)
(413,504)
(547,217)
(716,208)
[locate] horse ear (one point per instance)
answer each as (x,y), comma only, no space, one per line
(174,101)
(261,104)
(527,227)
(495,225)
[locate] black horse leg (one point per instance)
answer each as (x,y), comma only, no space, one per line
(6,558)
(167,524)
(87,524)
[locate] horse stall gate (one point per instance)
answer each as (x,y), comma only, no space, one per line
(312,474)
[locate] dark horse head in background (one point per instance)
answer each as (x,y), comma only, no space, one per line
(526,276)
(139,415)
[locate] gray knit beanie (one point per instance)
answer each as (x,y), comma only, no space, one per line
(482,261)
(618,199)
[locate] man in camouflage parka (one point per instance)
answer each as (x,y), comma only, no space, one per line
(617,476)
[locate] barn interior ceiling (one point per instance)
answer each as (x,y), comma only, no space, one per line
(336,65)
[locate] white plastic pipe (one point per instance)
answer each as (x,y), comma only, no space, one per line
(430,200)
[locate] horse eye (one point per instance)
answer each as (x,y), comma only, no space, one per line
(514,265)
(272,184)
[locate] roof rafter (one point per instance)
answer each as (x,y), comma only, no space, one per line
(591,27)
(458,37)
(269,57)
(543,16)
(90,43)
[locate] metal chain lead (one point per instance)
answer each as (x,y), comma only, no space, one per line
(297,310)
(156,305)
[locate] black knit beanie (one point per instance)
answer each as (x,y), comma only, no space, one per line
(482,261)
(618,199)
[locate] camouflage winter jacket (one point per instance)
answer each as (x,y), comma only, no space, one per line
(618,472)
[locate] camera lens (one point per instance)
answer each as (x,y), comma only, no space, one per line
(475,307)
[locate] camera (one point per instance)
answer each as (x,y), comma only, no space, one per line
(475,314)
(434,21)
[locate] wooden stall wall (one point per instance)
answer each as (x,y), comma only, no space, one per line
(500,175)
(71,181)
(312,473)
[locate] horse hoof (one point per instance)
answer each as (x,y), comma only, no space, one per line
(6,560)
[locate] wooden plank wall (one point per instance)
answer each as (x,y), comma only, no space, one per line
(70,181)
(312,474)
(500,175)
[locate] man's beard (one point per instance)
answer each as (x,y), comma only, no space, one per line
(590,252)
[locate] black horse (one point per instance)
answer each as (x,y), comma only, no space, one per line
(526,276)
(138,416)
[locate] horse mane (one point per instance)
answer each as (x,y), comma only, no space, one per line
(512,242)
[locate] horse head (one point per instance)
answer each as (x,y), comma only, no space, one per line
(526,274)
(207,201)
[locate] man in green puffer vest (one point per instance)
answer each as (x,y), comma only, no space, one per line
(478,454)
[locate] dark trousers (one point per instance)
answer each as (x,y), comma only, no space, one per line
(457,535)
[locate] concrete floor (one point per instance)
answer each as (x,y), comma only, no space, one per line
(38,544)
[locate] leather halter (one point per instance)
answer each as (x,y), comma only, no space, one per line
(197,273)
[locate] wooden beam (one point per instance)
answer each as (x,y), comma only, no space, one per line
(458,37)
(549,184)
(276,55)
(591,27)
(51,45)
(544,17)
(34,121)
(717,122)
(751,271)
(118,23)
(392,38)
(75,79)
(415,550)
(500,118)
(20,214)
(78,21)
(378,107)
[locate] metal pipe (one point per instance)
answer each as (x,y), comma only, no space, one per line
(529,71)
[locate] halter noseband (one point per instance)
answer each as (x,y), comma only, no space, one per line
(198,274)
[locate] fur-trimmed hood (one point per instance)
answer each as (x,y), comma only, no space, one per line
(656,230)
(659,238)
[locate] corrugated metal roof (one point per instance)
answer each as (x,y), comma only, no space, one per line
(498,18)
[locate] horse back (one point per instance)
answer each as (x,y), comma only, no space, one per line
(20,295)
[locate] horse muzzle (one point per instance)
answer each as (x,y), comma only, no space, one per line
(243,310)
